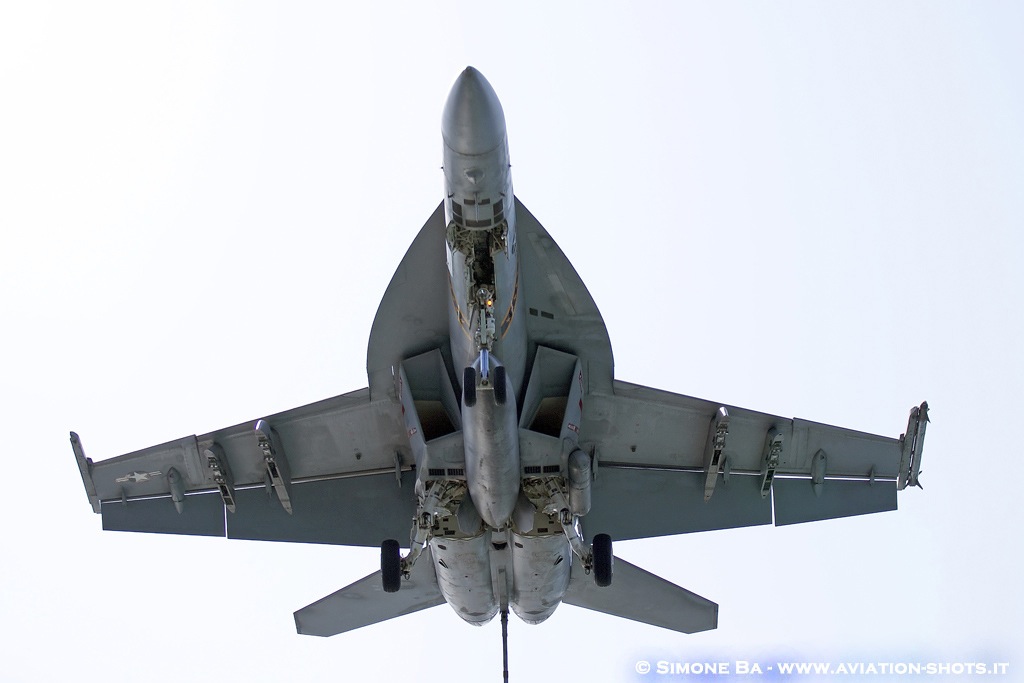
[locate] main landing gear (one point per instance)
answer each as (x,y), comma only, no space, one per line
(390,566)
(601,551)
(550,498)
(437,500)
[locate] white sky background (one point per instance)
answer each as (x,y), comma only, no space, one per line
(807,209)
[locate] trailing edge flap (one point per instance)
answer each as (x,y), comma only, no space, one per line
(642,503)
(641,596)
(796,500)
(350,511)
(202,515)
(365,602)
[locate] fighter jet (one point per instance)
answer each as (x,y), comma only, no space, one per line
(493,441)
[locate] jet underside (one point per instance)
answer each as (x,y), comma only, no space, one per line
(493,441)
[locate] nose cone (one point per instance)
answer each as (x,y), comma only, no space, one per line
(473,122)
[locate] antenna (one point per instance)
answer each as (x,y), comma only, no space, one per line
(504,641)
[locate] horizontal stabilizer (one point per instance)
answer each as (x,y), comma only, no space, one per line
(365,602)
(641,596)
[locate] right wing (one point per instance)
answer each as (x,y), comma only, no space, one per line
(336,471)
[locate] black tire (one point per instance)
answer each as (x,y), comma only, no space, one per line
(602,547)
(500,383)
(469,387)
(390,566)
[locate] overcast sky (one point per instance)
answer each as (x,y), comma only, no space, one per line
(807,209)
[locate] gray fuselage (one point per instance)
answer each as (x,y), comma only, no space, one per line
(529,572)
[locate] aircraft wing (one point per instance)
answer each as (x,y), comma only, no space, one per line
(337,471)
(670,464)
(657,469)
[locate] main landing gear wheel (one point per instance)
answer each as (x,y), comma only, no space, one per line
(602,548)
(469,387)
(390,566)
(499,385)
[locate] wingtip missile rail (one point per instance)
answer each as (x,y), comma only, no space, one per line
(913,445)
(85,467)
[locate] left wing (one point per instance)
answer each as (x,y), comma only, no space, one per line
(337,471)
(671,464)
